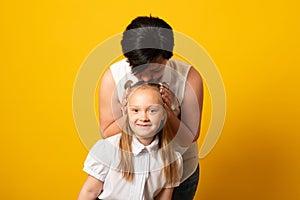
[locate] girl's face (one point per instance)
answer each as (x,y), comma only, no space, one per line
(145,113)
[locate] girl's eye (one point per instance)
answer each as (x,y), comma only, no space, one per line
(134,110)
(152,110)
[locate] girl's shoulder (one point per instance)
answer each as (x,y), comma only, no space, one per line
(105,148)
(113,139)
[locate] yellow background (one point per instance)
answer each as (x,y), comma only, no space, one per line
(255,45)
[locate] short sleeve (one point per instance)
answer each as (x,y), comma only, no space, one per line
(97,163)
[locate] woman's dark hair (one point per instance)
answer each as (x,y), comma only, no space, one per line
(147,38)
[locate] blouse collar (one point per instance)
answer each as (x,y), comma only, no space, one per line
(138,147)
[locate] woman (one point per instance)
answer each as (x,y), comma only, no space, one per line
(147,45)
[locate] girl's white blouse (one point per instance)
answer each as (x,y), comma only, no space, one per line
(103,160)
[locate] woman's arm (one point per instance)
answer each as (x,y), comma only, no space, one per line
(191,110)
(193,103)
(165,194)
(109,107)
(91,189)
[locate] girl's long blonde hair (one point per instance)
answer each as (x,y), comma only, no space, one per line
(165,136)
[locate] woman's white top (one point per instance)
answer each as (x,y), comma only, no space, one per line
(175,74)
(103,160)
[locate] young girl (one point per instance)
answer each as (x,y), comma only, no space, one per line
(139,163)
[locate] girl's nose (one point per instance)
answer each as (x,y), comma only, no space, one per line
(144,116)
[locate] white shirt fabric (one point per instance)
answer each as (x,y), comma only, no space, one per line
(103,160)
(175,74)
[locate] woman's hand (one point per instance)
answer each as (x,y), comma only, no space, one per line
(171,103)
